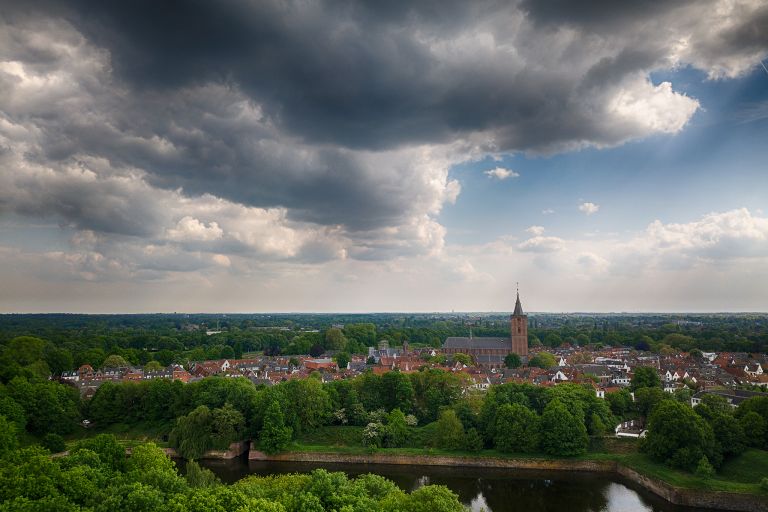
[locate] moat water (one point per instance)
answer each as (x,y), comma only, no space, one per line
(492,489)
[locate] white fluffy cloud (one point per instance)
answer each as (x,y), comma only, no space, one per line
(589,208)
(191,229)
(500,173)
(540,243)
(716,238)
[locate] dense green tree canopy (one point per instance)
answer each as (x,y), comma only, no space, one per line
(517,429)
(275,435)
(543,360)
(680,437)
(561,431)
(645,377)
(512,360)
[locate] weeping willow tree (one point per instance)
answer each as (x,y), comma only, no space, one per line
(191,437)
(204,429)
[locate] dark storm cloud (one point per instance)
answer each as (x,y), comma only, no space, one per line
(345,114)
(603,15)
(347,73)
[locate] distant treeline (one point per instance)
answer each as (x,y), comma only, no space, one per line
(69,341)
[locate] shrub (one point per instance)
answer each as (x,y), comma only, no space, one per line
(450,431)
(473,441)
(54,443)
(704,469)
(373,435)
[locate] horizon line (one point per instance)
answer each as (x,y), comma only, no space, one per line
(393,312)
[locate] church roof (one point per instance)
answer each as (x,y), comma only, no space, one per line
(518,307)
(481,342)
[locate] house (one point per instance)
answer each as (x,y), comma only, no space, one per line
(325,363)
(631,428)
(734,397)
(754,369)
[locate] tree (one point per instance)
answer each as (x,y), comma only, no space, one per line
(13,412)
(373,435)
(115,361)
(756,430)
(8,439)
(562,433)
(396,433)
(754,427)
(334,339)
(227,426)
(646,399)
(645,377)
(342,360)
(643,343)
(543,360)
(227,352)
(191,437)
(431,498)
(464,359)
(48,406)
(110,452)
(517,429)
(365,334)
(714,404)
(620,402)
(450,431)
(316,350)
(274,436)
(153,366)
(473,441)
(306,404)
(237,347)
(512,360)
(553,340)
(149,465)
(59,359)
(54,443)
(397,391)
(679,437)
(729,433)
(200,477)
(25,350)
(704,469)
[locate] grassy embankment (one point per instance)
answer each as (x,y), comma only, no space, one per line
(741,475)
(127,435)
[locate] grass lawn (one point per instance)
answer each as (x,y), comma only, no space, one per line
(722,481)
(129,435)
(750,467)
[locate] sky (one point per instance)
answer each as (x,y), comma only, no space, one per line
(343,156)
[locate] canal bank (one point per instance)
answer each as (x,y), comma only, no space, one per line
(678,496)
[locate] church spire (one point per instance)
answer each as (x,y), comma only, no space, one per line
(518,307)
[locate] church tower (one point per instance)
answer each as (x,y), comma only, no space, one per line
(519,330)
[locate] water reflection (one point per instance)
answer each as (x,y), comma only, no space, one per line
(489,489)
